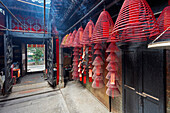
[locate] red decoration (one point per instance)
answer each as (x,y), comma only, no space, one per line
(29,45)
(113,92)
(103,27)
(87,34)
(72,37)
(78,38)
(164,22)
(84,80)
(112,67)
(64,41)
(31,23)
(57,60)
(102,32)
(67,43)
(34,45)
(135,22)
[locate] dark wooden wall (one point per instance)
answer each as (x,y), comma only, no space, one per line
(168,81)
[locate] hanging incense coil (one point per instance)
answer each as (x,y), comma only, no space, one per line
(112,48)
(108,76)
(76,49)
(76,42)
(112,67)
(75,53)
(75,63)
(98,46)
(116,85)
(98,83)
(98,61)
(112,58)
(87,34)
(103,27)
(97,52)
(72,37)
(137,20)
(164,23)
(68,40)
(97,69)
(113,92)
(64,41)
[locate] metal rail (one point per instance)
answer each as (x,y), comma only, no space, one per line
(13,30)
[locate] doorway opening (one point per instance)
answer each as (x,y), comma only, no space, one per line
(35,57)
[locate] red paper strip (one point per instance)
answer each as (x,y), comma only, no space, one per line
(84,79)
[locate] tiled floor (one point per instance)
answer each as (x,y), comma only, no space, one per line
(41,98)
(30,79)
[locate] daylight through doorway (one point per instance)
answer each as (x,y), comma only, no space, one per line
(35,57)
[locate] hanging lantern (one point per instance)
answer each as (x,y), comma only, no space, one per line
(137,20)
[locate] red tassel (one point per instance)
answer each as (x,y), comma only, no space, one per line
(97,83)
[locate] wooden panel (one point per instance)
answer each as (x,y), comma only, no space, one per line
(129,68)
(150,107)
(153,81)
(143,72)
(131,100)
(152,72)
